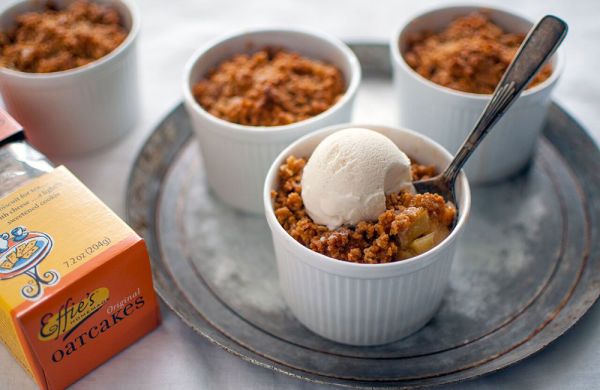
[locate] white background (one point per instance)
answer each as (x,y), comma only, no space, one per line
(173,356)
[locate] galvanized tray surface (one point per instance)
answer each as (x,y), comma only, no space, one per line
(527,267)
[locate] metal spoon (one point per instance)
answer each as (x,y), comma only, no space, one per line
(543,39)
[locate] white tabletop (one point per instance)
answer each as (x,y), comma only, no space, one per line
(173,356)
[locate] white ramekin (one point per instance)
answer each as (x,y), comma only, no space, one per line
(364,304)
(447,115)
(237,157)
(76,111)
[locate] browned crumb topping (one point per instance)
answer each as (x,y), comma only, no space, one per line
(269,88)
(56,40)
(470,55)
(412,223)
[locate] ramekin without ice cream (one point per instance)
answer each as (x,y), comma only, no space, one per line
(448,115)
(78,110)
(237,157)
(364,304)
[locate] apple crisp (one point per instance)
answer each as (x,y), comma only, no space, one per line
(56,40)
(412,223)
(470,55)
(271,87)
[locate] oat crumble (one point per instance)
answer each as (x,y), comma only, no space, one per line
(411,224)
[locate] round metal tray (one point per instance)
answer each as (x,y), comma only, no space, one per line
(527,267)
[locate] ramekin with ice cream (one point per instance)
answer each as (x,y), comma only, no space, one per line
(343,299)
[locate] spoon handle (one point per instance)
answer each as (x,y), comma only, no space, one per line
(538,46)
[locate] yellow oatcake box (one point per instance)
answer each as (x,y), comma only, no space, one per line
(75,280)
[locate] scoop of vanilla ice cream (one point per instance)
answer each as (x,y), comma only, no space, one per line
(348,175)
